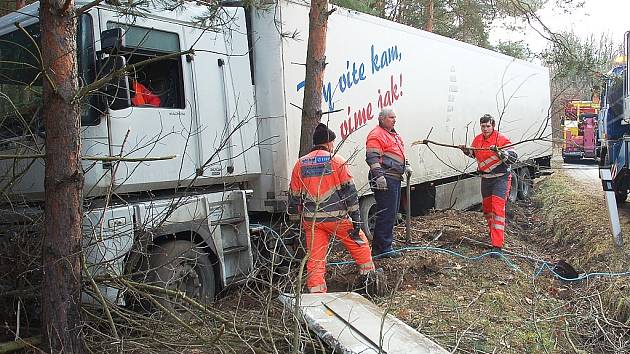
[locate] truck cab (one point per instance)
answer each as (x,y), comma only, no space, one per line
(165,178)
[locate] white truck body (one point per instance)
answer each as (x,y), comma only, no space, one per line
(236,128)
(436,85)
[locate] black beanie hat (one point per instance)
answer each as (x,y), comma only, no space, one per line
(322,134)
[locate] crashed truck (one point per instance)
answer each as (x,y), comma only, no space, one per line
(229,113)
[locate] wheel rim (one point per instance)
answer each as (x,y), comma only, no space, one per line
(525,184)
(182,268)
(186,279)
(526,188)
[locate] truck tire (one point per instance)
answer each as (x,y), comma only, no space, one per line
(182,266)
(513,196)
(525,184)
(367,208)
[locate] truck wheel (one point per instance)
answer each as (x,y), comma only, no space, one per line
(621,196)
(367,208)
(181,266)
(513,188)
(525,184)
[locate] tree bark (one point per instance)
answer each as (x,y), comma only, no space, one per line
(315,65)
(428,26)
(63,179)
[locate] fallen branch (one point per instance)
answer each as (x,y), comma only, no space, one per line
(8,347)
(427,142)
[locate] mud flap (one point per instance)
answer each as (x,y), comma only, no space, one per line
(611,204)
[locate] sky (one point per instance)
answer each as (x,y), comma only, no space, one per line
(595,17)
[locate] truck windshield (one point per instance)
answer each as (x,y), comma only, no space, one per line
(21,79)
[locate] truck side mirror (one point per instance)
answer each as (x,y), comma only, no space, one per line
(112,40)
(116,91)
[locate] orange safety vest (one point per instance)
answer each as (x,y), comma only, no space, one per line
(144,96)
(316,179)
(487,160)
(385,152)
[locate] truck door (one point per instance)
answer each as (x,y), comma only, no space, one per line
(223,99)
(158,119)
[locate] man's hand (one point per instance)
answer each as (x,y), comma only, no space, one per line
(408,170)
(494,148)
(464,149)
(381,183)
(355,234)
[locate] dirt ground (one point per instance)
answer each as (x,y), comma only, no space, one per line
(448,288)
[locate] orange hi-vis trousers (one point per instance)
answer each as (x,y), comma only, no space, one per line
(495,192)
(317,239)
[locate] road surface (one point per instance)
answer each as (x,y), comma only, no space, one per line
(587,173)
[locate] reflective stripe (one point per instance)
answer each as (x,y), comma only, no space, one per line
(326,214)
(394,157)
(491,167)
(499,227)
(322,197)
(490,159)
(353,208)
(375,165)
(365,268)
(499,218)
(491,175)
(376,150)
(318,289)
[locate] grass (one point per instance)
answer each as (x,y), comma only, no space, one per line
(486,306)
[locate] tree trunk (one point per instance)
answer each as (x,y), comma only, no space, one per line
(63,180)
(315,65)
(428,26)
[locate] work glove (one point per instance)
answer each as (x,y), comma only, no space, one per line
(408,170)
(494,148)
(464,149)
(381,183)
(355,234)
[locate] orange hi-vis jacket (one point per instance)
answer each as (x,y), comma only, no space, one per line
(144,96)
(322,188)
(385,153)
(491,164)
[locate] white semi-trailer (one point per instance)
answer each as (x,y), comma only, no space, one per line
(228,114)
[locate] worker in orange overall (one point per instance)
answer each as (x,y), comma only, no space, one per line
(143,96)
(323,193)
(494,156)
